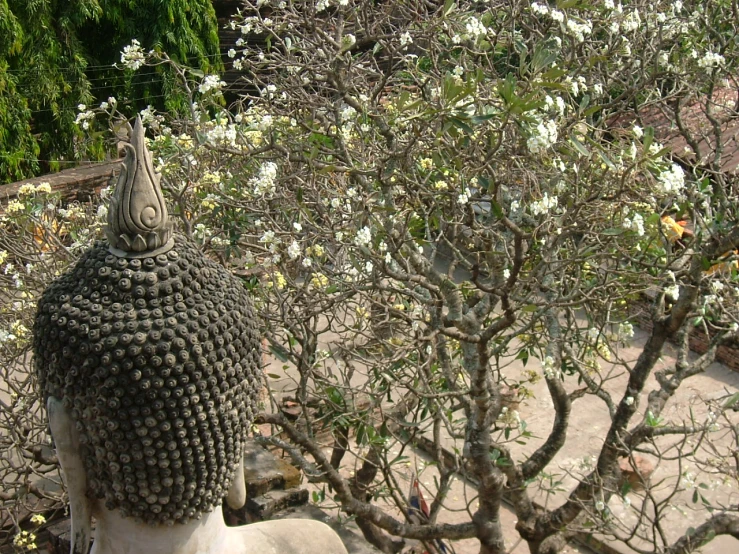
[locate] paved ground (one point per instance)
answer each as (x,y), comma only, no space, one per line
(589,422)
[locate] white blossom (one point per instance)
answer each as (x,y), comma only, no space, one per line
(294,250)
(635,223)
(631,21)
(543,136)
(264,181)
(579,30)
(711,60)
(544,204)
(133,56)
(548,368)
(673,292)
(475,28)
(406,39)
(211,82)
(672,180)
(625,331)
(364,236)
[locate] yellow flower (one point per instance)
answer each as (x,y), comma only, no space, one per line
(185,140)
(26,190)
(15,206)
(211,178)
(319,280)
(427,164)
(44,188)
(3,256)
(279,281)
(441,185)
(38,519)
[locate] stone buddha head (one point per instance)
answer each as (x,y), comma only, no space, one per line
(153,351)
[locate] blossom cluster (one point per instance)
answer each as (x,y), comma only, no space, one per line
(133,56)
(672,180)
(542,136)
(265,181)
(211,83)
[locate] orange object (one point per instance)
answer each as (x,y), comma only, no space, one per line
(673,229)
(727,266)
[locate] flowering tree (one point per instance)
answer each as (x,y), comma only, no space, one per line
(439,205)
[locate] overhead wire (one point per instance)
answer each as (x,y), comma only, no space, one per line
(116,65)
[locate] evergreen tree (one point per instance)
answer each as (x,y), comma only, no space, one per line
(56,55)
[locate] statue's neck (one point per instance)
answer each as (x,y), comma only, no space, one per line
(115,534)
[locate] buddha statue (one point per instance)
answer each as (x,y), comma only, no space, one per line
(148,357)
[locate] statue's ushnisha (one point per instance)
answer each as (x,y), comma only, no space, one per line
(148,356)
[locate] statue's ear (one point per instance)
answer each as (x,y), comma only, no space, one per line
(236,496)
(66,440)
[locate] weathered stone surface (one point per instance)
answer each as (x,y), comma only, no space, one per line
(352,539)
(59,537)
(264,471)
(158,360)
(264,507)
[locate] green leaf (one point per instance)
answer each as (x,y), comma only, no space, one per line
(732,401)
(457,122)
(579,146)
(279,352)
(503,462)
(334,395)
(496,209)
(545,53)
(607,160)
(477,119)
(507,88)
(648,138)
(274,376)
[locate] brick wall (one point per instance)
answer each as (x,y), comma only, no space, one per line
(698,340)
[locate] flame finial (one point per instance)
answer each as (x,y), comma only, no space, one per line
(138,222)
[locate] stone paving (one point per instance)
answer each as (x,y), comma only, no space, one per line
(588,425)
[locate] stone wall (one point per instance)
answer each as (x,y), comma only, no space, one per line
(76,184)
